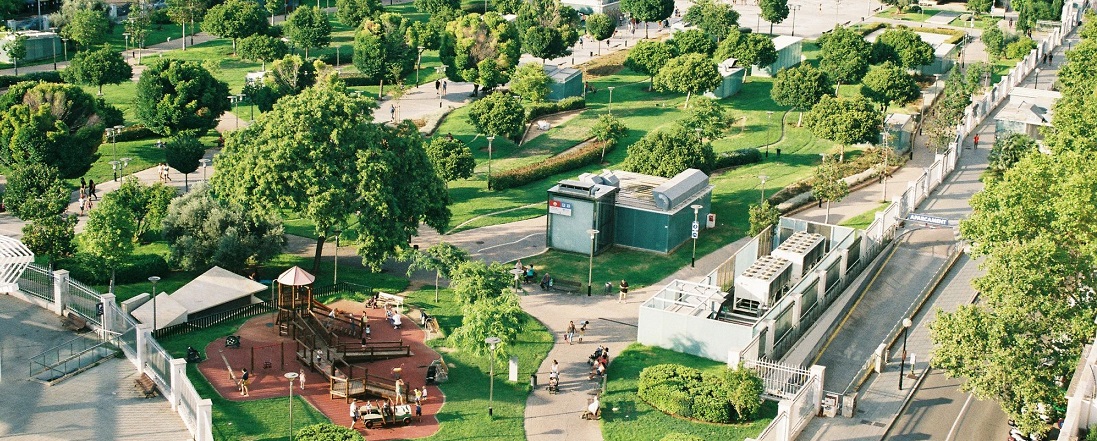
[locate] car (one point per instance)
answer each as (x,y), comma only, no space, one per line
(374,418)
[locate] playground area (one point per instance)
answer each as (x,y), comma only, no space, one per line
(322,349)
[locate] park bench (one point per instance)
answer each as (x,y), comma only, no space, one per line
(145,385)
(391,299)
(73,322)
(568,286)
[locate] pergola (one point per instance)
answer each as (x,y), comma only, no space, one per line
(294,292)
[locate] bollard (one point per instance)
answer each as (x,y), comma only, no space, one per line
(533,380)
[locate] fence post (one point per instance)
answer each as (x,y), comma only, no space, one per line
(60,291)
(178,374)
(821,287)
(107,320)
(204,421)
(144,332)
(819,372)
(784,407)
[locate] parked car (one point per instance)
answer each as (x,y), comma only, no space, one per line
(402,414)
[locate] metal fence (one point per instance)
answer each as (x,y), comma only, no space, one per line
(83,300)
(37,281)
(781,381)
(245,311)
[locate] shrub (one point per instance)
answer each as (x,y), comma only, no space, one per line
(687,392)
(132,133)
(47,76)
(329,432)
(535,110)
(1020,48)
(676,436)
(738,157)
(87,269)
(668,398)
(517,177)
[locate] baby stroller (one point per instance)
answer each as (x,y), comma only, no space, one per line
(597,354)
(553,385)
(593,410)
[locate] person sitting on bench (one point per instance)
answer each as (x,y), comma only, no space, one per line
(396,321)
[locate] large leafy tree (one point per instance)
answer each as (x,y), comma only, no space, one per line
(889,84)
(442,258)
(531,82)
(87,28)
(845,121)
(800,87)
(715,19)
(353,12)
(235,19)
(600,27)
(979,6)
(845,55)
(35,191)
(475,39)
(435,6)
(51,236)
(308,27)
(498,114)
(994,40)
(183,153)
(648,10)
(175,95)
(690,73)
(667,152)
(203,231)
(187,11)
(320,154)
(773,11)
(1008,151)
(474,281)
(55,124)
(750,49)
(451,158)
(108,236)
(648,57)
(16,48)
(693,41)
(138,23)
(827,184)
(549,29)
(708,118)
(903,47)
(262,48)
(381,50)
(500,317)
(98,67)
(145,204)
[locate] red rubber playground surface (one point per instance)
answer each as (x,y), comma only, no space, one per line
(261,333)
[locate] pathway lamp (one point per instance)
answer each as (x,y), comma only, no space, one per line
(903,363)
(590,269)
(492,343)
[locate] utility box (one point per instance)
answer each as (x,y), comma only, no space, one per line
(764,282)
(804,250)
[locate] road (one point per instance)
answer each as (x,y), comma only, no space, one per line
(940,411)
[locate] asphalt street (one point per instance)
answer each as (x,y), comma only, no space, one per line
(940,411)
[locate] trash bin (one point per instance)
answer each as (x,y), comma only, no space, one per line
(533,380)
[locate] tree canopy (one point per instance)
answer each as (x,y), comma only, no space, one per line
(59,125)
(183,153)
(600,27)
(715,19)
(35,191)
(263,48)
(648,57)
(175,95)
(435,6)
(109,235)
(889,84)
(98,67)
(381,50)
(442,258)
(235,19)
(690,74)
(498,114)
(473,40)
(800,87)
(827,183)
(203,231)
(16,48)
(749,48)
(531,82)
(548,28)
(451,158)
(87,27)
(353,12)
(693,41)
(320,154)
(845,55)
(667,152)
(51,236)
(648,10)
(845,121)
(308,27)
(773,11)
(903,47)
(708,117)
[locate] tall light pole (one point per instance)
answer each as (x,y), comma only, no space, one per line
(763,178)
(903,362)
(292,376)
(1036,85)
(609,107)
(125,162)
(53,43)
(492,342)
(335,270)
(152,279)
(115,166)
(491,138)
(204,161)
(65,46)
(694,232)
(126,35)
(794,7)
(114,139)
(590,269)
(418,62)
(884,165)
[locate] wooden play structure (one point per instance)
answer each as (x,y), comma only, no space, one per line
(330,343)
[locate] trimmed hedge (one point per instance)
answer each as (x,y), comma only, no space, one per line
(687,392)
(517,177)
(47,76)
(354,79)
(87,269)
(738,157)
(134,133)
(541,109)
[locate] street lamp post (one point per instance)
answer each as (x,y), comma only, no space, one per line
(115,166)
(65,46)
(590,268)
(152,279)
(794,7)
(1036,85)
(418,62)
(125,162)
(291,376)
(53,44)
(126,35)
(492,342)
(609,107)
(491,138)
(903,363)
(884,165)
(694,231)
(763,178)
(113,132)
(335,269)
(204,161)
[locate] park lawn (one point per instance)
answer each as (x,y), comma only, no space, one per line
(465,414)
(156,34)
(626,417)
(862,221)
(983,21)
(910,16)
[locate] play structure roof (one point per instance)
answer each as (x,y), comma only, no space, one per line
(296,277)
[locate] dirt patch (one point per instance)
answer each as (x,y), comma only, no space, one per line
(553,120)
(608,64)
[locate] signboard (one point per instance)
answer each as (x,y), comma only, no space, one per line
(928,219)
(693,234)
(561,208)
(696,226)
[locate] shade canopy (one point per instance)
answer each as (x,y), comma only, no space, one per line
(296,277)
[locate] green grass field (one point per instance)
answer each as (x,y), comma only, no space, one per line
(626,417)
(861,221)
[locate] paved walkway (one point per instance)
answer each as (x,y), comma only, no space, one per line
(100,403)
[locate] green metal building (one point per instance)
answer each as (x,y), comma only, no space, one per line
(627,209)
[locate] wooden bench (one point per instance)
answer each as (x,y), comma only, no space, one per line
(73,322)
(391,299)
(145,385)
(568,286)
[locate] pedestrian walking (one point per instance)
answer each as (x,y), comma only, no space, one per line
(245,380)
(301,376)
(444,85)
(624,291)
(976,141)
(418,396)
(80,203)
(167,172)
(419,411)
(353,413)
(582,329)
(424,398)
(437,86)
(570,336)
(91,190)
(392,112)
(83,184)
